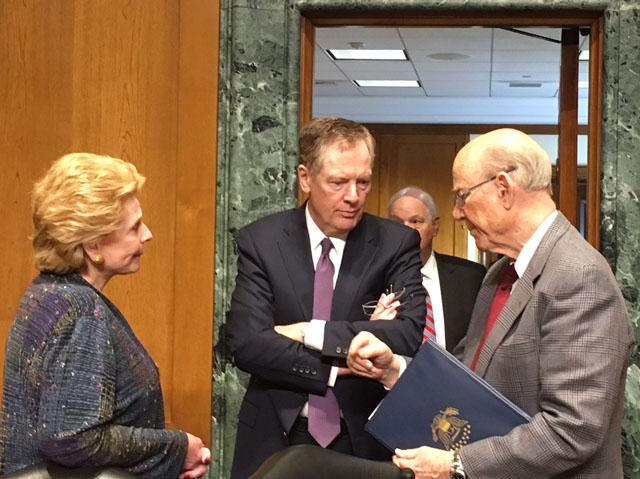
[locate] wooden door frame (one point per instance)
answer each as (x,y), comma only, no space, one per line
(592,19)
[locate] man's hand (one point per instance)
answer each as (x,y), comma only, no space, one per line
(425,462)
(292,331)
(387,307)
(371,358)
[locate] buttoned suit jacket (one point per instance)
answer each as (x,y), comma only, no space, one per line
(559,349)
(274,285)
(460,281)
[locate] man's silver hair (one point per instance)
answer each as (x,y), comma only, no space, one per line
(418,194)
(516,149)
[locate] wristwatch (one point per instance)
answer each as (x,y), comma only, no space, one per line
(457,471)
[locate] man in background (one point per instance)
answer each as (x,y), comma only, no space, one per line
(290,326)
(549,330)
(451,283)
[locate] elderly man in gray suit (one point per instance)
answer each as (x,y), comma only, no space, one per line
(558,348)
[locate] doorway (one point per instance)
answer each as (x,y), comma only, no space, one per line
(451,98)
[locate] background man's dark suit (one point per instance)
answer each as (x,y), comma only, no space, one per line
(460,282)
(275,286)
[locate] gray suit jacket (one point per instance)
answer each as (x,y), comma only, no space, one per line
(560,350)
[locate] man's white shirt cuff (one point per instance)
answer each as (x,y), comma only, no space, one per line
(314,334)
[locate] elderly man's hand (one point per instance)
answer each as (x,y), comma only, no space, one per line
(371,358)
(425,462)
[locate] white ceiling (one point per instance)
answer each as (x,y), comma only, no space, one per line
(505,77)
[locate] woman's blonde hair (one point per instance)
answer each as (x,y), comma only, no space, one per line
(79,200)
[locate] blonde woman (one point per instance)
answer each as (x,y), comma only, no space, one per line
(79,388)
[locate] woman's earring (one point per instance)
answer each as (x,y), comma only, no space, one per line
(98,259)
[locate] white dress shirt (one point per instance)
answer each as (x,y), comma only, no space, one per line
(530,247)
(431,282)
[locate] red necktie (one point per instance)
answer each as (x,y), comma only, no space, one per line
(429,324)
(503,291)
(324,412)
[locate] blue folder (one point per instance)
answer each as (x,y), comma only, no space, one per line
(441,403)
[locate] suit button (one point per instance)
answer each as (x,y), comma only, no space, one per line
(307,370)
(313,372)
(338,350)
(295,368)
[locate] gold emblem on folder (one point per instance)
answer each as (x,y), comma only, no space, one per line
(452,431)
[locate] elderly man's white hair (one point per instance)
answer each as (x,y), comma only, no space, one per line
(418,194)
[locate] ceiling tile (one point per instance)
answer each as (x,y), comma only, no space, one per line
(340,88)
(532,56)
(471,56)
(440,66)
(546,67)
(503,89)
(354,66)
(451,76)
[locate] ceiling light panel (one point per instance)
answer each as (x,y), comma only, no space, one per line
(367,54)
(387,83)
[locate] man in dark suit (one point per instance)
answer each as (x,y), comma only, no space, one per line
(559,344)
(452,282)
(271,328)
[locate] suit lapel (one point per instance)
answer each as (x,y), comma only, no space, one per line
(360,249)
(296,256)
(444,276)
(520,296)
(481,310)
(514,306)
(445,272)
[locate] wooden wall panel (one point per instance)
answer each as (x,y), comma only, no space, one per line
(35,94)
(413,157)
(135,80)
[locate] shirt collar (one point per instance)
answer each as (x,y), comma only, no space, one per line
(430,268)
(316,235)
(530,247)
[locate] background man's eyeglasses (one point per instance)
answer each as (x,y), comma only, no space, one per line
(460,196)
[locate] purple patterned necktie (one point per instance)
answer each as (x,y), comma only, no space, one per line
(324,413)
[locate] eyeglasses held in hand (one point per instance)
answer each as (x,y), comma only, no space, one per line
(369,307)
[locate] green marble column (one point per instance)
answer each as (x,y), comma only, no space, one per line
(258,124)
(620,227)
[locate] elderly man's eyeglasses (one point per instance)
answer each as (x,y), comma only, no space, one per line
(460,196)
